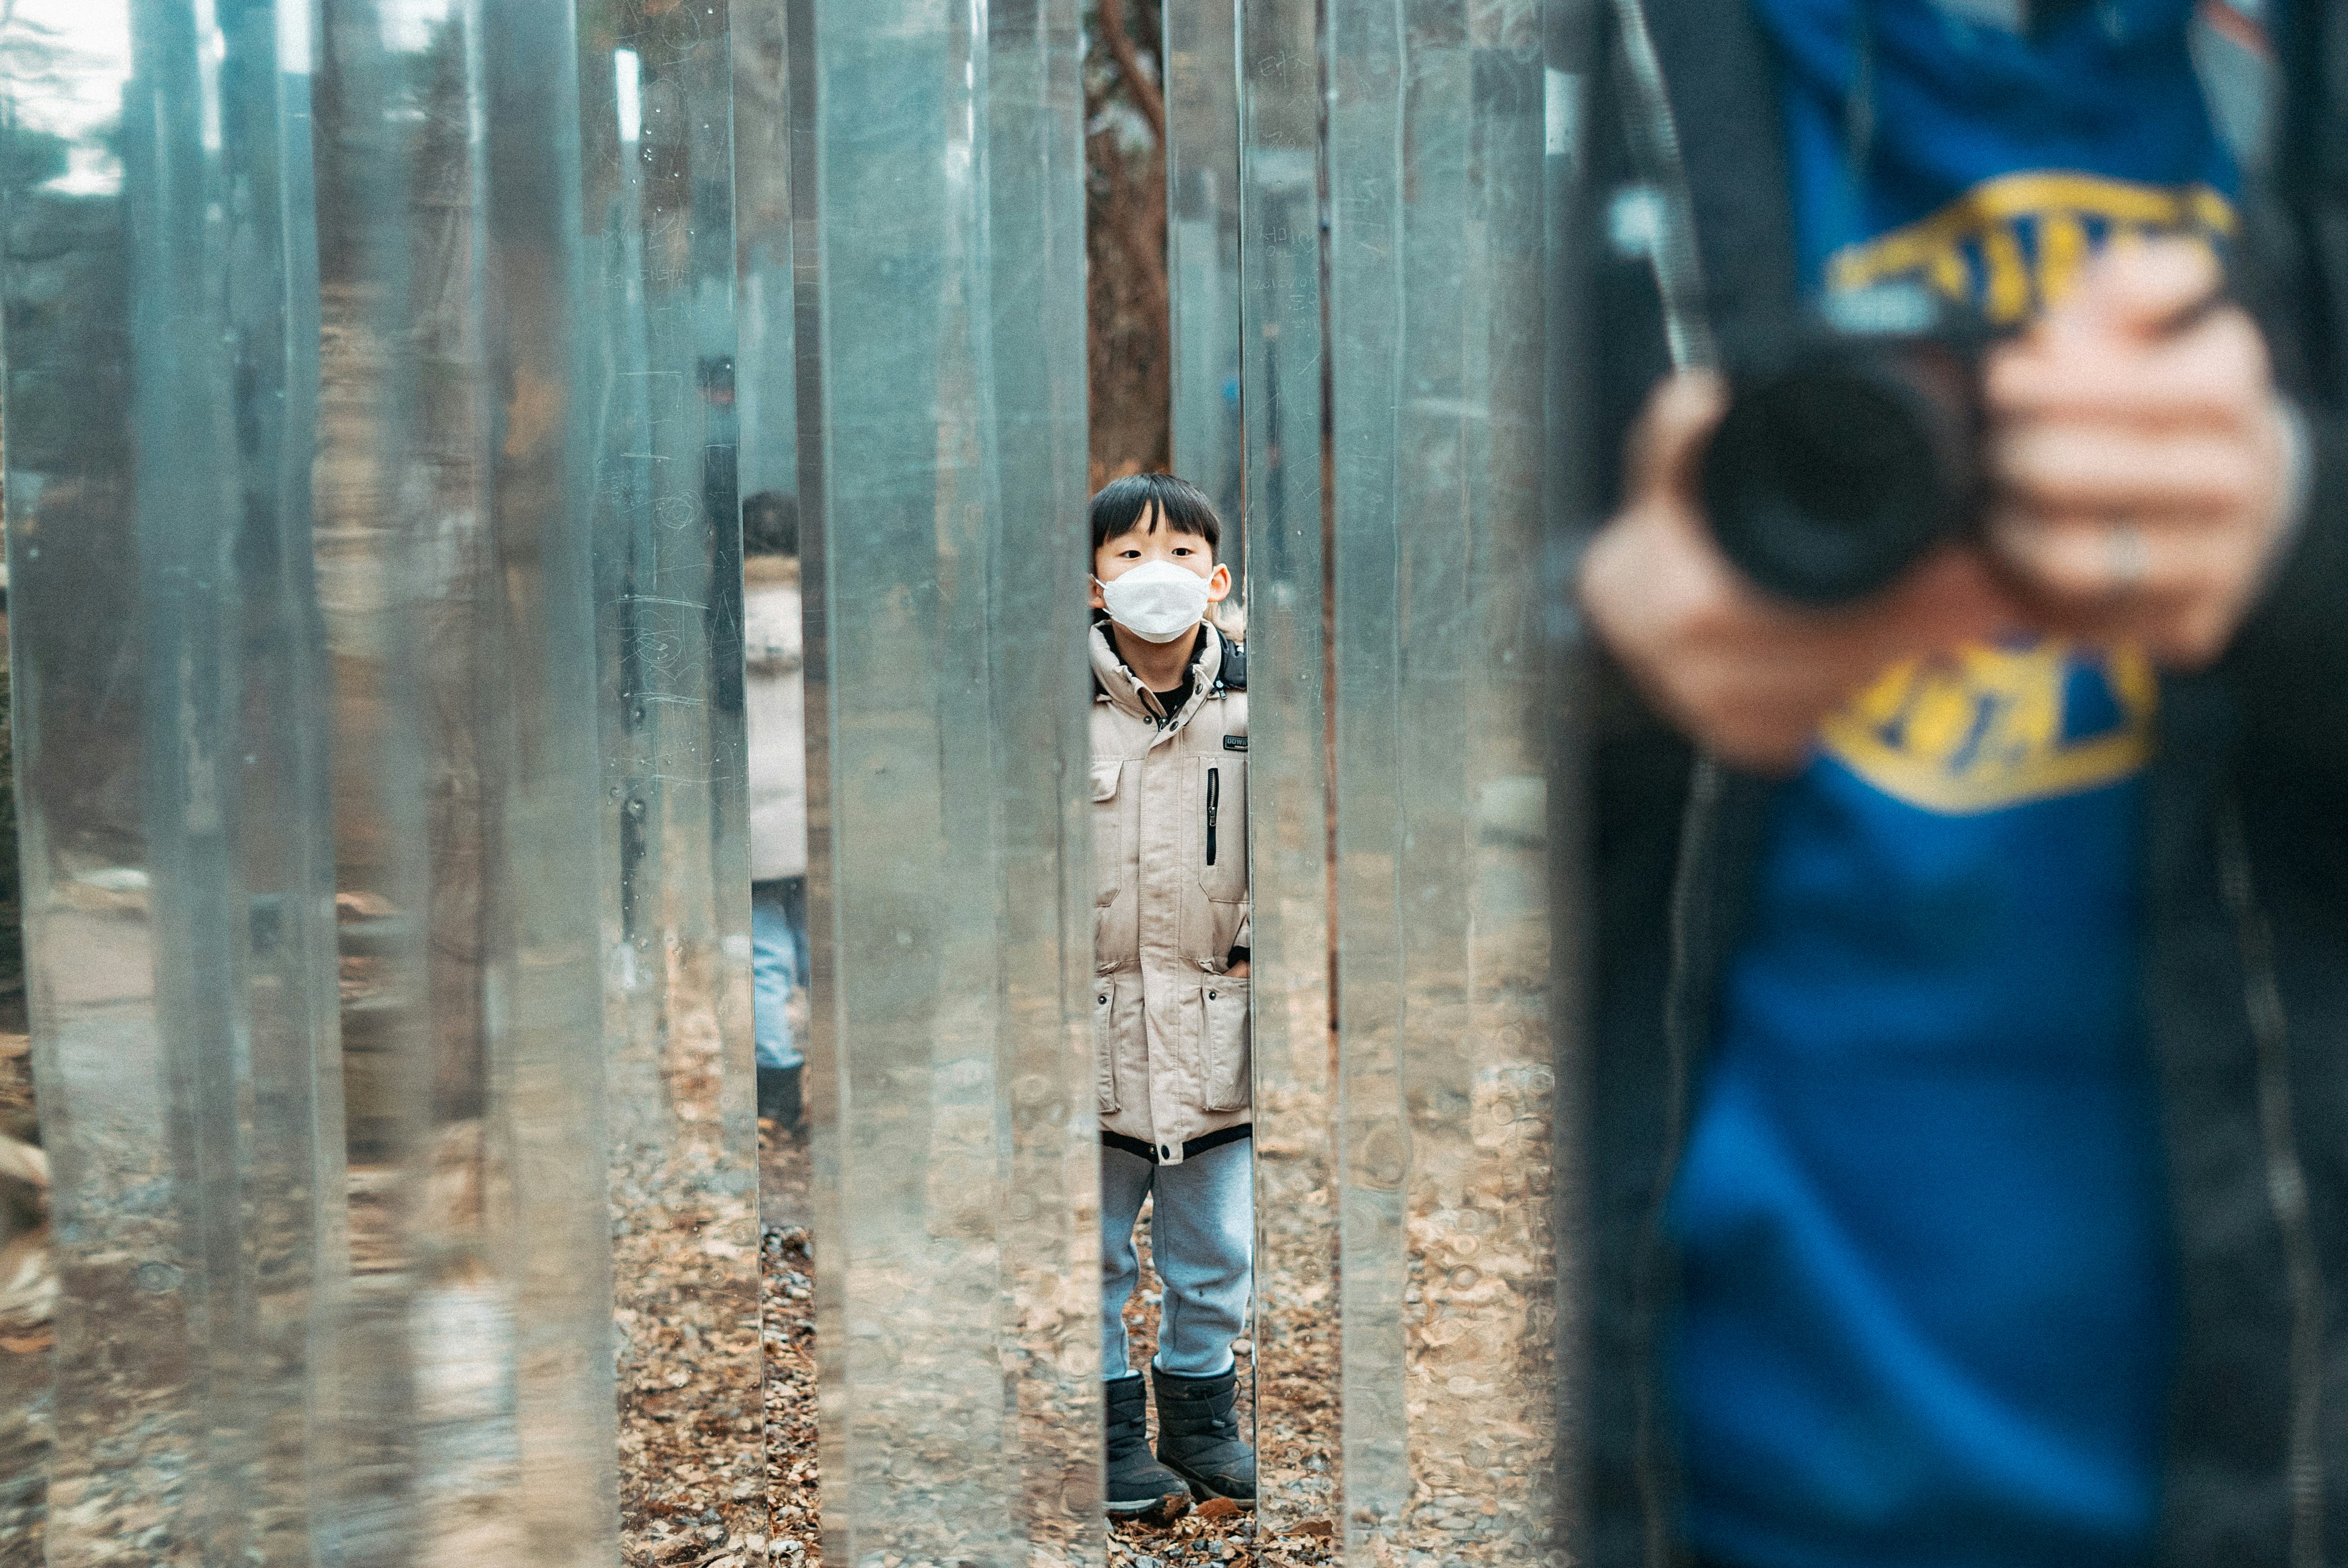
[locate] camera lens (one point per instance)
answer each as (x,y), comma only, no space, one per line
(1834,471)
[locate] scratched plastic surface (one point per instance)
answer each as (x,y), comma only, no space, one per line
(938,214)
(1444,719)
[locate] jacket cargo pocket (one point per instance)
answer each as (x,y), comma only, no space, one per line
(1105,1041)
(1227,1043)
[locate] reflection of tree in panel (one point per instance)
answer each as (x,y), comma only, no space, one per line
(28,1290)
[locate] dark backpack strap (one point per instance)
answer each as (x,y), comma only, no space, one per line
(1233,677)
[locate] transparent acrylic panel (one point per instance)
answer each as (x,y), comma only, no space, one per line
(1444,712)
(655,135)
(942,466)
(178,851)
(1296,1309)
(1203,249)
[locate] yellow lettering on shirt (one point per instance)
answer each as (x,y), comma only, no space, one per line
(2016,243)
(1981,728)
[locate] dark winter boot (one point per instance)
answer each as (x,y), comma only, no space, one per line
(1199,1434)
(1139,1486)
(778,1097)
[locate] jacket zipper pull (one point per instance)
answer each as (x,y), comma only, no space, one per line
(1214,797)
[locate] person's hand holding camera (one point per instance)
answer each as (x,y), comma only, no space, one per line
(2141,457)
(1747,677)
(2141,463)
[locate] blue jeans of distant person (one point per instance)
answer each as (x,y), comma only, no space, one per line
(778,965)
(1202,1243)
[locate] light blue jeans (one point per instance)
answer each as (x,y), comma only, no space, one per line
(778,965)
(1202,1243)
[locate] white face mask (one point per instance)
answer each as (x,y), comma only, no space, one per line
(1157,601)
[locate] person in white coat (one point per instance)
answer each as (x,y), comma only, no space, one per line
(775,706)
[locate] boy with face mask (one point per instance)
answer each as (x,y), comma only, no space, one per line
(1170,997)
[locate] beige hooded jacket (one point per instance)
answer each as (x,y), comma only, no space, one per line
(774,703)
(1170,852)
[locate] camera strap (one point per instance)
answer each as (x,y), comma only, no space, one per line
(1667,233)
(1859,104)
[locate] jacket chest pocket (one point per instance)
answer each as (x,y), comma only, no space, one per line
(1217,808)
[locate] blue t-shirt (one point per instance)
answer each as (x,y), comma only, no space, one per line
(1929,1286)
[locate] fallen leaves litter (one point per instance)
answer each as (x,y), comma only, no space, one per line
(1215,1533)
(786,1291)
(687,1318)
(688,1508)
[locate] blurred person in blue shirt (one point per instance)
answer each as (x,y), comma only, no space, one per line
(1971,1124)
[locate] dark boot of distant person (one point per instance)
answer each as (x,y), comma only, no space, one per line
(1139,1486)
(778,1097)
(1199,1434)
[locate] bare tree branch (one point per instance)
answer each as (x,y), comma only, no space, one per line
(1146,96)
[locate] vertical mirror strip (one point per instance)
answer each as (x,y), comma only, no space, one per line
(408,1250)
(1282,392)
(540,1003)
(300,493)
(1202,250)
(1039,676)
(177,850)
(471,1139)
(459,467)
(940,464)
(1571,55)
(1442,720)
(657,140)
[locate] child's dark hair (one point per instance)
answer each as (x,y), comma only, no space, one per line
(1123,503)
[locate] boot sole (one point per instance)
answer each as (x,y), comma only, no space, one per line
(1202,1489)
(1163,1510)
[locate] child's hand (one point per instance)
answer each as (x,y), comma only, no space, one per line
(1238,971)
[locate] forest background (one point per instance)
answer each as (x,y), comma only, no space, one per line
(1128,343)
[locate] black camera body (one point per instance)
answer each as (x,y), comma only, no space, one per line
(1852,445)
